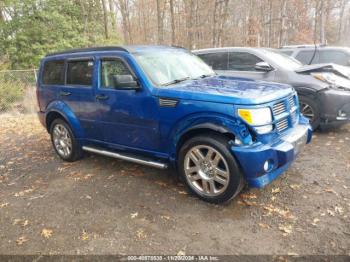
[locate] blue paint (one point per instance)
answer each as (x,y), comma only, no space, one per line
(133,121)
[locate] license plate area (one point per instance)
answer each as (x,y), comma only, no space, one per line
(298,139)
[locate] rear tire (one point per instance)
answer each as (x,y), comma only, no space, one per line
(309,109)
(64,141)
(209,169)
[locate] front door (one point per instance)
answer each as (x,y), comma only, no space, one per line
(242,64)
(127,116)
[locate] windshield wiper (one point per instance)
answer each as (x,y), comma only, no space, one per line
(176,81)
(204,76)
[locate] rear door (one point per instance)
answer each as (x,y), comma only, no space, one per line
(78,93)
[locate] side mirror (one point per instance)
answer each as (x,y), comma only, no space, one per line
(125,82)
(263,66)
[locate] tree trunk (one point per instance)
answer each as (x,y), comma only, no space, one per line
(105,19)
(159,23)
(172,18)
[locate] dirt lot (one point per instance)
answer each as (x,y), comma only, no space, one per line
(101,205)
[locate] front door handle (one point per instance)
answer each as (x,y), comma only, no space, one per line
(102,97)
(65,93)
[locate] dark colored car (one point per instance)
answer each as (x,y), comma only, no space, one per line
(162,106)
(323,90)
(318,54)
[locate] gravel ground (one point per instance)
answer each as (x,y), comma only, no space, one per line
(100,205)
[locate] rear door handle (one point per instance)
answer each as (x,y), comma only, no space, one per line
(65,93)
(102,97)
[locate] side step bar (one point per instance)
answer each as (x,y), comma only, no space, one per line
(126,157)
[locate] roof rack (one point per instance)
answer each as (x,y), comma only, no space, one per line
(302,46)
(90,49)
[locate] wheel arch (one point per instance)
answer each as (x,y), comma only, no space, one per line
(58,109)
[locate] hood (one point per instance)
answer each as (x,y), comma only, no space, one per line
(231,90)
(332,68)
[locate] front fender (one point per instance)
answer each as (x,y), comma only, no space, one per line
(68,115)
(215,122)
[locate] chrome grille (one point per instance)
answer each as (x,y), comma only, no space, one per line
(294,117)
(291,102)
(279,108)
(282,125)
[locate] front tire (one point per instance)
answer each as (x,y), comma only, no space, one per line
(64,142)
(209,169)
(310,110)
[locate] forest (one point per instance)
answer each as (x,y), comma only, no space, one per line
(29,29)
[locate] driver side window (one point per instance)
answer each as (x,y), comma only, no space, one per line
(111,68)
(242,61)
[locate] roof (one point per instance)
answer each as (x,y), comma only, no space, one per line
(128,49)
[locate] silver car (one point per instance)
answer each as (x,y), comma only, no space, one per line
(323,90)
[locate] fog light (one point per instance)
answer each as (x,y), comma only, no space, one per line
(341,113)
(268,165)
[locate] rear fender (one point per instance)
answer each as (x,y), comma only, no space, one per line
(68,115)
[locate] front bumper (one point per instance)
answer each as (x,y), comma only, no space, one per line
(276,157)
(335,106)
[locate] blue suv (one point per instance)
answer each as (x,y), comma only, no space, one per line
(162,106)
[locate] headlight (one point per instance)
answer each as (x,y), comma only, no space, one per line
(333,79)
(259,118)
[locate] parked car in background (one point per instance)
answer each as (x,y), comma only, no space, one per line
(324,92)
(161,106)
(318,54)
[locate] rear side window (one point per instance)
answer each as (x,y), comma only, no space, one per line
(333,56)
(217,61)
(241,61)
(53,73)
(80,72)
(286,52)
(306,56)
(111,68)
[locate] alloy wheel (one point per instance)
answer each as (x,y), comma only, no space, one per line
(206,170)
(62,140)
(307,111)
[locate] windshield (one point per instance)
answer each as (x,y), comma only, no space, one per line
(165,67)
(283,60)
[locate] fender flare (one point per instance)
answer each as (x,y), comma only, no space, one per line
(68,115)
(216,123)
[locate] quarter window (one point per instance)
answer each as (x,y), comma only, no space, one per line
(217,61)
(241,61)
(308,57)
(333,56)
(110,69)
(80,72)
(53,73)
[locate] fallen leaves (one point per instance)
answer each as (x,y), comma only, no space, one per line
(281,212)
(24,192)
(315,221)
(46,233)
(2,205)
(84,236)
(21,240)
(294,186)
(140,233)
(276,190)
(165,217)
(21,222)
(264,226)
(286,229)
(248,196)
(134,215)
